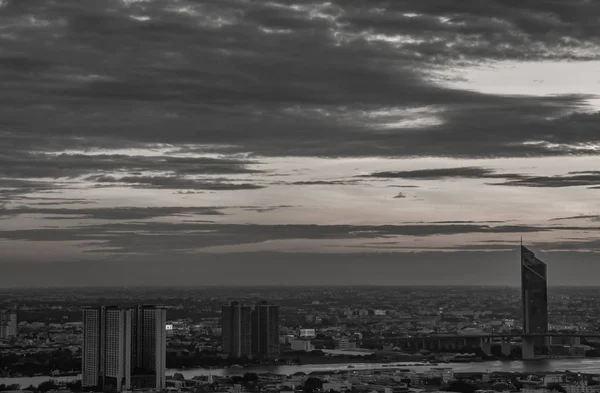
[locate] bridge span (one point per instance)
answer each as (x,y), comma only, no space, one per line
(482,341)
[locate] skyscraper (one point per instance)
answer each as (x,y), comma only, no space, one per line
(90,351)
(8,324)
(148,359)
(124,348)
(534,293)
(236,321)
(115,335)
(265,330)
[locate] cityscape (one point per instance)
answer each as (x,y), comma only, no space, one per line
(346,339)
(299,196)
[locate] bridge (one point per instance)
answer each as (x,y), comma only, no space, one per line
(484,341)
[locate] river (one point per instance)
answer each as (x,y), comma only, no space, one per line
(586,365)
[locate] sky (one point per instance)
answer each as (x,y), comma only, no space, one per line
(287,142)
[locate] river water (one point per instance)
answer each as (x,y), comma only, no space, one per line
(586,365)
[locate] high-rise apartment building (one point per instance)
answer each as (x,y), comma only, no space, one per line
(116,338)
(90,351)
(236,321)
(252,332)
(148,359)
(124,348)
(265,330)
(8,324)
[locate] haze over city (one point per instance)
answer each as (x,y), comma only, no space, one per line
(178,142)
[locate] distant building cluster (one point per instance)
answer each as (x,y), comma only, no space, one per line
(124,348)
(251,331)
(8,324)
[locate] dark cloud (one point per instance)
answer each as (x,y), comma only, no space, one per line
(259,78)
(441,173)
(590,178)
(22,64)
(324,182)
(593,217)
(267,268)
(141,237)
(209,73)
(114,213)
(21,164)
(572,179)
(13,189)
(175,182)
(461,222)
(264,209)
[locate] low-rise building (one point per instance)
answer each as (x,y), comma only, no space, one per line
(301,345)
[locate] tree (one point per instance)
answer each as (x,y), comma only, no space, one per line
(74,386)
(250,378)
(516,352)
(593,353)
(461,387)
(312,384)
(556,387)
(48,385)
(503,387)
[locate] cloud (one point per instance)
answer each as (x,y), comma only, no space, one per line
(324,182)
(572,179)
(108,99)
(11,189)
(140,237)
(442,173)
(40,165)
(355,61)
(174,182)
(590,178)
(264,209)
(115,213)
(593,217)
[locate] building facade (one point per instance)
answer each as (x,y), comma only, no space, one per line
(534,293)
(90,351)
(236,321)
(149,350)
(115,375)
(124,349)
(265,330)
(8,324)
(251,332)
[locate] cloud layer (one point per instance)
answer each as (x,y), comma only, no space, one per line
(273,78)
(201,128)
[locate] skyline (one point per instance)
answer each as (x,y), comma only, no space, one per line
(174,142)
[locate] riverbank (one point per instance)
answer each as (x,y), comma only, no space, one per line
(585,365)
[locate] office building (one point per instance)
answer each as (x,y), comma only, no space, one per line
(8,324)
(236,321)
(265,330)
(534,293)
(124,349)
